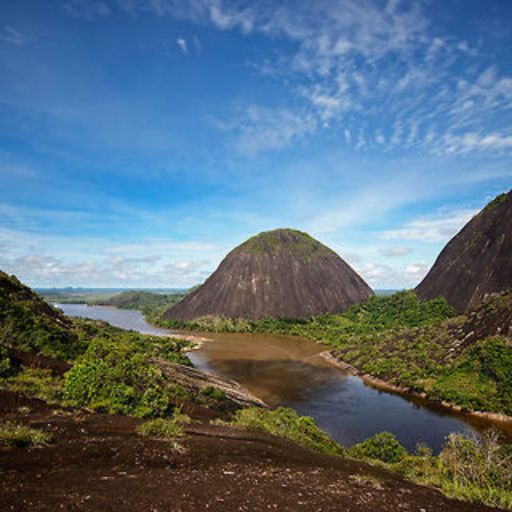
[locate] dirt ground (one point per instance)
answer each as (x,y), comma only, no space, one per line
(98,463)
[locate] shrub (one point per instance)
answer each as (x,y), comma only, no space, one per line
(287,423)
(214,393)
(15,434)
(477,469)
(117,378)
(383,446)
(469,468)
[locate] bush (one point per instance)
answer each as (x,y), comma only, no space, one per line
(469,468)
(14,434)
(117,378)
(477,469)
(383,446)
(287,423)
(213,393)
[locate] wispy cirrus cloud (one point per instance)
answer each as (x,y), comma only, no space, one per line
(257,128)
(12,35)
(87,9)
(373,69)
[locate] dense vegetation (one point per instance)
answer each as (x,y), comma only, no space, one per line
(478,470)
(382,446)
(481,380)
(117,377)
(110,369)
(30,324)
(396,311)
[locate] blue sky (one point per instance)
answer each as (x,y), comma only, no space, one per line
(140,140)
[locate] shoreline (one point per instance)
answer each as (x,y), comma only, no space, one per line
(407,393)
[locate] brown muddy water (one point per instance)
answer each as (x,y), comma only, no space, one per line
(290,371)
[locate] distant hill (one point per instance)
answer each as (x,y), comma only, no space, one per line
(140,300)
(71,295)
(282,273)
(477,261)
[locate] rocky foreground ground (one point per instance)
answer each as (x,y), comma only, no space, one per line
(98,463)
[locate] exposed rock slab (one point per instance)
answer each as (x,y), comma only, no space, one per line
(196,380)
(282,273)
(477,261)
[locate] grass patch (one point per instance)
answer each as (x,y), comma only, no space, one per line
(285,422)
(38,383)
(15,434)
(165,429)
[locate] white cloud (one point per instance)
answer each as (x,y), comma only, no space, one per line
(380,275)
(182,43)
(439,228)
(396,251)
(45,270)
(41,259)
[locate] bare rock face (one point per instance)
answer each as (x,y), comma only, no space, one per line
(282,273)
(477,261)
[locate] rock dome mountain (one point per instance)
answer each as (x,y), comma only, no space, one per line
(477,261)
(282,273)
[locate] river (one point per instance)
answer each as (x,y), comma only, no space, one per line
(291,372)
